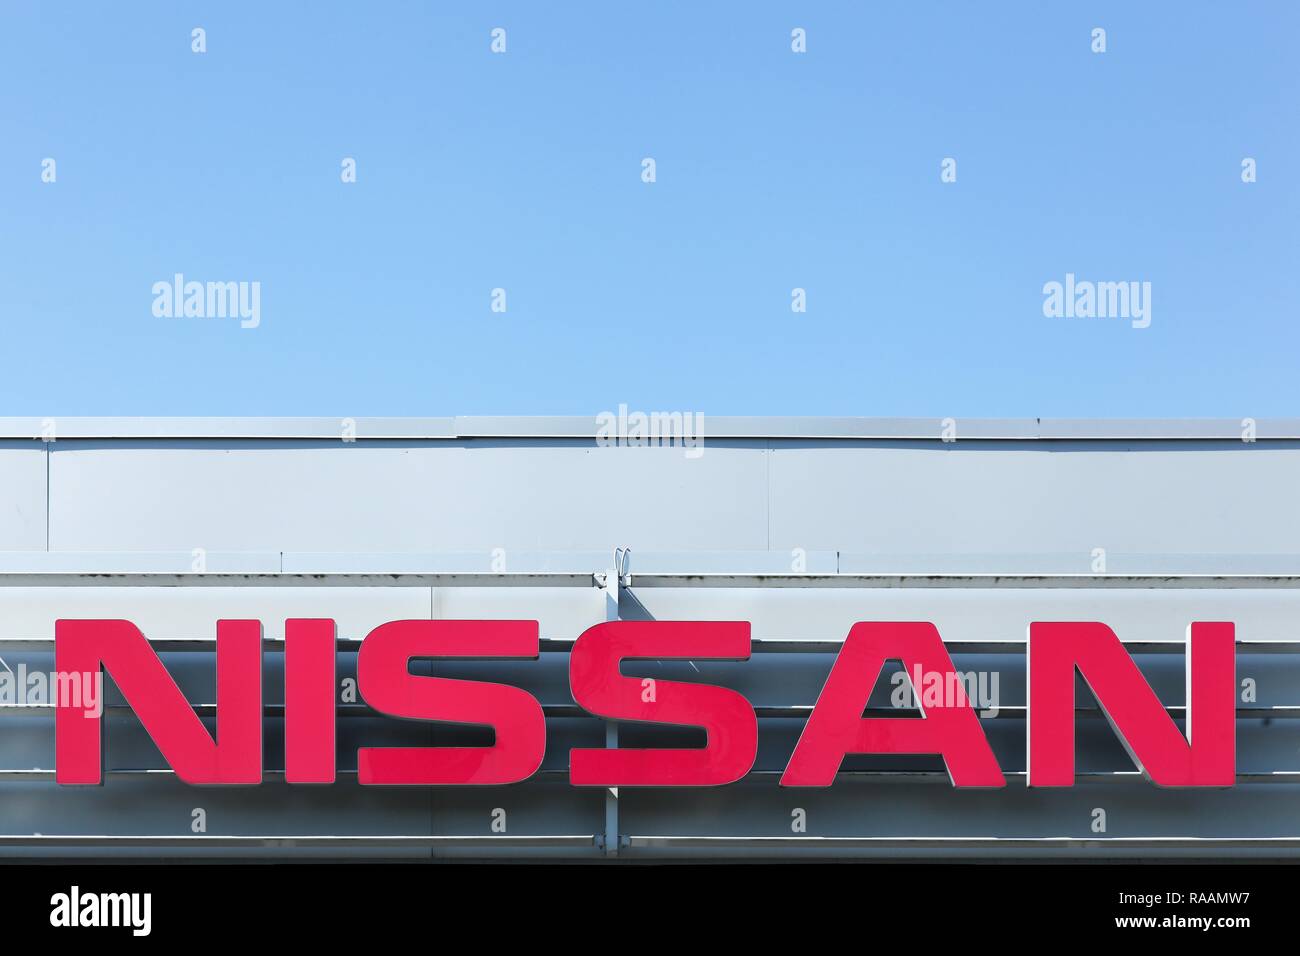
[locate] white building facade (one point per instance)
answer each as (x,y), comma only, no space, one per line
(801,527)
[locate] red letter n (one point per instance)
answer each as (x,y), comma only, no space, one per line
(1206,757)
(235,757)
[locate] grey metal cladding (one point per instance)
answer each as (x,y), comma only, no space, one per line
(800,526)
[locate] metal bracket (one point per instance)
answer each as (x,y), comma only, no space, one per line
(615,581)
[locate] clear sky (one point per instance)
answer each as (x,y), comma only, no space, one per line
(774,170)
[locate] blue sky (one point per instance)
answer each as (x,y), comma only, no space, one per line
(774,170)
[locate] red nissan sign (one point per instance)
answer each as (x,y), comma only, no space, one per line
(1205,757)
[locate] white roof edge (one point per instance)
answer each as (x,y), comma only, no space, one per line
(714,428)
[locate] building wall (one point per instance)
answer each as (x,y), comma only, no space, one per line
(822,524)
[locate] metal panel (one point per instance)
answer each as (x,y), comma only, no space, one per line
(587,426)
(22,496)
(164,613)
(384,496)
(1001,498)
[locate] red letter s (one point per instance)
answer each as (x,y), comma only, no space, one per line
(725,714)
(386,683)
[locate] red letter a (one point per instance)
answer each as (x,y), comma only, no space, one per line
(837,726)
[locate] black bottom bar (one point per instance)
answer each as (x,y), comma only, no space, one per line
(996,905)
